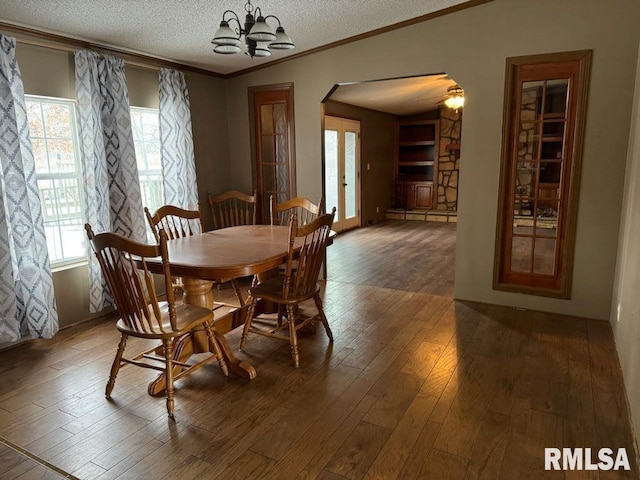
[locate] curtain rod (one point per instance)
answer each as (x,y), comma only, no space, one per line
(69,44)
(70,49)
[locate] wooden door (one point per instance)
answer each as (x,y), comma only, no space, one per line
(273,146)
(545,103)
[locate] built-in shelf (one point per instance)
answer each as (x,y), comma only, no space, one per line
(411,144)
(415,164)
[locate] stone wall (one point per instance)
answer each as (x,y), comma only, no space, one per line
(448,160)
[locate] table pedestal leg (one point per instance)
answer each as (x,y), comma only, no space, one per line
(199,292)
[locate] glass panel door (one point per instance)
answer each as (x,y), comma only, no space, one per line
(273,144)
(342,171)
(544,101)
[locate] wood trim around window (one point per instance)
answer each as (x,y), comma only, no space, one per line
(537,68)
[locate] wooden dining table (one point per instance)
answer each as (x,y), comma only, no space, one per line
(221,254)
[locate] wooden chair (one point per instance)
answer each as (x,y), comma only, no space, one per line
(295,286)
(305,210)
(142,315)
(233,208)
(177,223)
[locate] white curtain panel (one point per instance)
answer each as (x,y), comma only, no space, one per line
(113,200)
(27,303)
(176,141)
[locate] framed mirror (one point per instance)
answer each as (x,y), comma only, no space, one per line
(545,105)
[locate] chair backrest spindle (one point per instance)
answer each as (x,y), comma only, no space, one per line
(175,221)
(123,263)
(233,208)
(305,210)
(303,267)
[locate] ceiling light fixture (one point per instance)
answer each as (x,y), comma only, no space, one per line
(260,38)
(455,98)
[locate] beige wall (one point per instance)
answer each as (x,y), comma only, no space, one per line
(50,72)
(625,311)
(210,138)
(480,39)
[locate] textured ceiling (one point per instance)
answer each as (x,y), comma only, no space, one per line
(181,30)
(401,96)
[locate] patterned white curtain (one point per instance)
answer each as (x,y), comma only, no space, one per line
(112,189)
(176,141)
(27,303)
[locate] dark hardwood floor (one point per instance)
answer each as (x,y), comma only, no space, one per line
(416,386)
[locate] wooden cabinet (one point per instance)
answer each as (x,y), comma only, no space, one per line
(416,167)
(419,195)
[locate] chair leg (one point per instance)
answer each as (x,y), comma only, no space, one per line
(247,322)
(215,348)
(236,289)
(115,367)
(293,336)
(168,359)
(323,317)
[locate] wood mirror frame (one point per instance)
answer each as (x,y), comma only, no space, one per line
(542,137)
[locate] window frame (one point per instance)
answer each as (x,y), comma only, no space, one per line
(68,262)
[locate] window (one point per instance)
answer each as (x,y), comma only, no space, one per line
(52,126)
(146,137)
(545,103)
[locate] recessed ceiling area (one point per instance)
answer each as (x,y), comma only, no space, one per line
(398,96)
(181,31)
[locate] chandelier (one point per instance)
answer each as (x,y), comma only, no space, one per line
(455,98)
(260,38)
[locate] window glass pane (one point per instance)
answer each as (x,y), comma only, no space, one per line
(34,115)
(59,179)
(544,256)
(57,119)
(331,170)
(350,174)
(521,254)
(269,178)
(552,150)
(146,137)
(523,207)
(531,101)
(267,149)
(547,226)
(553,130)
(39,147)
(550,172)
(61,156)
(280,118)
(282,170)
(281,149)
(266,119)
(528,140)
(555,101)
(526,174)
